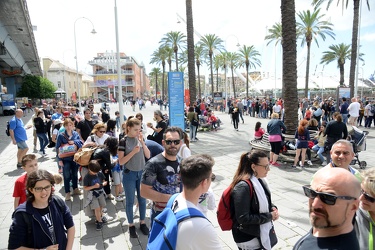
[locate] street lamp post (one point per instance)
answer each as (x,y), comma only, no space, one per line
(75,53)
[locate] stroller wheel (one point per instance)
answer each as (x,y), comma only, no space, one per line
(363,164)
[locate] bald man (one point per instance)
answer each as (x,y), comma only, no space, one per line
(333,201)
(18,135)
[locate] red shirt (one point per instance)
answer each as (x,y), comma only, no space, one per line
(20,188)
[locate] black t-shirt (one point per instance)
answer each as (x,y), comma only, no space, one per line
(91,180)
(340,242)
(159,136)
(164,176)
(86,127)
(47,218)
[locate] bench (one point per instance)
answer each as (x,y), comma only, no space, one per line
(262,144)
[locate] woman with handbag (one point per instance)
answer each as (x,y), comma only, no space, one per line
(193,123)
(253,209)
(67,144)
(275,127)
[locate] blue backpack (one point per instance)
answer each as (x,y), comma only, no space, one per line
(165,228)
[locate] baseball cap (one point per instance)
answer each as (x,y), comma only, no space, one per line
(95,117)
(57,121)
(66,113)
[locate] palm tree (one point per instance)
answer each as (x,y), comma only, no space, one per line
(248,58)
(158,57)
(169,53)
(190,48)
(275,35)
(198,52)
(155,72)
(353,59)
(340,53)
(218,61)
(310,27)
(211,43)
(289,38)
(174,40)
(233,61)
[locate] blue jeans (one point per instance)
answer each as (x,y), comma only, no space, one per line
(192,132)
(132,182)
(70,173)
(345,118)
(43,140)
(320,151)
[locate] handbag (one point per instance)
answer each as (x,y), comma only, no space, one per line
(83,156)
(194,122)
(67,150)
(273,237)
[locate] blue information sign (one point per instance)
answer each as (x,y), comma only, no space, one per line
(176,99)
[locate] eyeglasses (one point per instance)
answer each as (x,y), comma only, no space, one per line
(175,142)
(367,197)
(101,132)
(267,167)
(329,199)
(40,189)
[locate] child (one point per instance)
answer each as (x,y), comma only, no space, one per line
(207,202)
(211,119)
(29,164)
(319,147)
(259,132)
(94,182)
(117,180)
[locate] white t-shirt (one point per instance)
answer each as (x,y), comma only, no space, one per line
(354,109)
(195,233)
(98,141)
(184,151)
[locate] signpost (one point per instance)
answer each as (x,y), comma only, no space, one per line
(176,99)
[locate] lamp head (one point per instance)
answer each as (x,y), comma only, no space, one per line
(93,31)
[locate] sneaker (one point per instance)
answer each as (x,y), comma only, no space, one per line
(119,198)
(110,197)
(144,229)
(67,197)
(132,232)
(276,164)
(309,163)
(107,218)
(77,192)
(122,194)
(324,163)
(99,226)
(196,138)
(104,210)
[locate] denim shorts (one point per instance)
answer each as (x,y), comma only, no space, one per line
(22,145)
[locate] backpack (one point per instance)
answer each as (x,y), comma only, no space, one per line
(83,156)
(7,129)
(164,231)
(224,212)
(373,109)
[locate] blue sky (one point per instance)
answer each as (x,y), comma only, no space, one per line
(142,24)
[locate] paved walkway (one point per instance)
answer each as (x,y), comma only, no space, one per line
(225,145)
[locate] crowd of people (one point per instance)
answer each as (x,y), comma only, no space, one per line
(157,166)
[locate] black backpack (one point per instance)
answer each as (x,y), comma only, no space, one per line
(7,129)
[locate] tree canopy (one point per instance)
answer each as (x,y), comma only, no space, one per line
(36,87)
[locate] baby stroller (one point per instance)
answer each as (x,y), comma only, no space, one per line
(358,139)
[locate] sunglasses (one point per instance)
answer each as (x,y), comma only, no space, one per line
(101,132)
(367,197)
(40,189)
(329,199)
(175,142)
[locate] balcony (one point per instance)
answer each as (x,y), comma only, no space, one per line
(113,72)
(106,62)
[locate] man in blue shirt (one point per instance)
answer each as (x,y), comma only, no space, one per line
(18,134)
(344,110)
